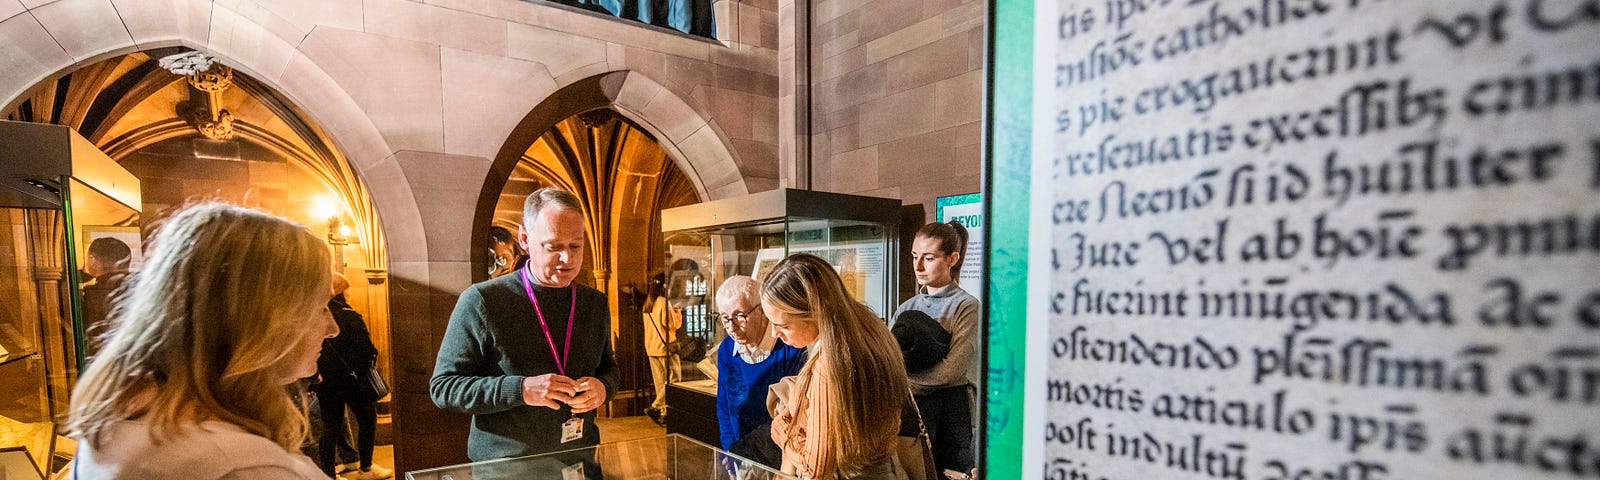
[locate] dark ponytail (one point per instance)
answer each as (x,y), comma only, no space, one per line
(952,237)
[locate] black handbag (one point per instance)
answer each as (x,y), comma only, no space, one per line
(369,384)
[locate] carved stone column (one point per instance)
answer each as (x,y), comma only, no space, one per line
(59,341)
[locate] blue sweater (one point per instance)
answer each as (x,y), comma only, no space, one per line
(742,387)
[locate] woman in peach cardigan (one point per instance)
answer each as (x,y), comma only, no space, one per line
(839,417)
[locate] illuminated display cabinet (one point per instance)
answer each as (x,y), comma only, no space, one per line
(709,242)
(58,195)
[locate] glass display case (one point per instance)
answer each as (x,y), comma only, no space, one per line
(58,195)
(709,242)
(660,457)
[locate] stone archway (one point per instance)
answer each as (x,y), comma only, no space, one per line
(36,51)
(223,135)
(693,143)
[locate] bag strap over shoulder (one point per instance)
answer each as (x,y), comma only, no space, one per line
(340,357)
(922,428)
(929,466)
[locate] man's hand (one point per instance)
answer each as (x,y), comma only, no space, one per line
(549,390)
(591,394)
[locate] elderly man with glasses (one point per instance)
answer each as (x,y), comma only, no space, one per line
(749,361)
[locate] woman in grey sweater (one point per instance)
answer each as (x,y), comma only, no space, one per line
(944,391)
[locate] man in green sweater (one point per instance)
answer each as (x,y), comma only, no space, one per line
(528,354)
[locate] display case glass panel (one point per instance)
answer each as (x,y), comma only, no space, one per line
(701,259)
(101,222)
(665,457)
(709,242)
(37,339)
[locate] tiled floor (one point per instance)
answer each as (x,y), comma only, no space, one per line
(622,429)
(384,455)
(612,430)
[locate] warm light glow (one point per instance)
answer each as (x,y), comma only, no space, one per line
(344,230)
(324,206)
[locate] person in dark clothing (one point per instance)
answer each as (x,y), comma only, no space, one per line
(343,361)
(107,262)
(529,354)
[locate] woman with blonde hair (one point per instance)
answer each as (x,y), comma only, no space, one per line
(192,379)
(839,417)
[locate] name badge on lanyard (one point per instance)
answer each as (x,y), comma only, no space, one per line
(572,429)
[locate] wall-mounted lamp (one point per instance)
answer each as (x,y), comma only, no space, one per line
(338,232)
(339,235)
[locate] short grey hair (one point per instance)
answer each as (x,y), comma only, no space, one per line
(739,287)
(545,197)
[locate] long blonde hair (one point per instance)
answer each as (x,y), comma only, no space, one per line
(205,329)
(855,415)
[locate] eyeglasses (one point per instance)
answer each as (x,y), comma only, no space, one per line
(737,316)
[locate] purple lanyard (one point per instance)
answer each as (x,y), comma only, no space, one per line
(561,361)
